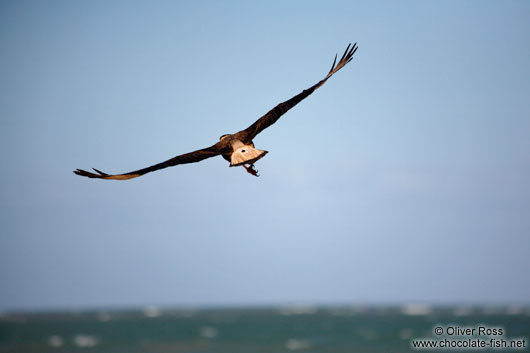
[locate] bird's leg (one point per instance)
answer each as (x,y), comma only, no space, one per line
(250,169)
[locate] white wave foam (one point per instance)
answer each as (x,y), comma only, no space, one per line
(298,309)
(104,316)
(416,309)
(294,344)
(514,310)
(82,340)
(462,311)
(208,332)
(55,341)
(152,311)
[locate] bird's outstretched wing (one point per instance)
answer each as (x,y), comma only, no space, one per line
(275,113)
(191,157)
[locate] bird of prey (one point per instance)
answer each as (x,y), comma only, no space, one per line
(238,148)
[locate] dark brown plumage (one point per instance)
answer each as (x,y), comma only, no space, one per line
(237,148)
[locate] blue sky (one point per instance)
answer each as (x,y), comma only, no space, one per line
(404,179)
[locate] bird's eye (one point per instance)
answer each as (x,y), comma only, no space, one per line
(243,151)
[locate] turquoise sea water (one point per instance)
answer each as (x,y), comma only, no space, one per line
(234,330)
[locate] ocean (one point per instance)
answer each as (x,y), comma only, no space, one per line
(282,329)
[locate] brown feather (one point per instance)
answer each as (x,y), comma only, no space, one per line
(191,157)
(275,113)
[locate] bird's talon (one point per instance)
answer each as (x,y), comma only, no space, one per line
(250,169)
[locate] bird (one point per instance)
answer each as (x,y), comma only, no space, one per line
(237,148)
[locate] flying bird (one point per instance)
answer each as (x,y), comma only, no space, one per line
(238,148)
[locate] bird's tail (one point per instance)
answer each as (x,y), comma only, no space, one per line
(246,154)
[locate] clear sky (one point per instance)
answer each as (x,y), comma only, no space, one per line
(405,178)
